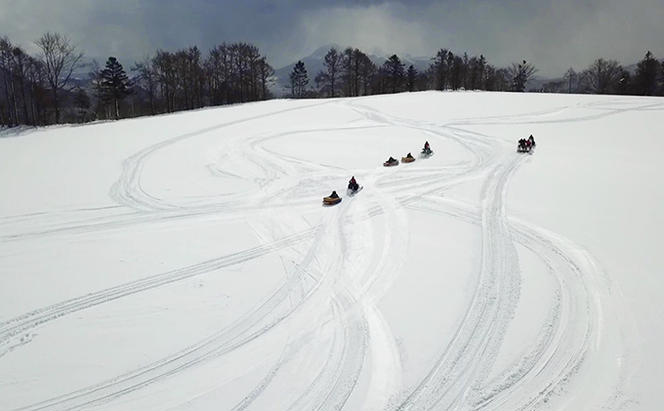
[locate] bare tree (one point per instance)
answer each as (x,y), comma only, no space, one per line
(356,73)
(8,86)
(520,74)
(16,87)
(21,62)
(60,59)
(572,79)
(146,78)
(327,79)
(265,73)
(603,76)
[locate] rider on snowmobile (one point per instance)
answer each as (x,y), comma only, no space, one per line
(352,184)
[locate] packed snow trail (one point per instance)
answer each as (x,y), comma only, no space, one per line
(467,359)
(15,326)
(322,335)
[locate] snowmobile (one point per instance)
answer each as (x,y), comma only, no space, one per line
(391,162)
(426,152)
(524,146)
(354,189)
(408,159)
(332,199)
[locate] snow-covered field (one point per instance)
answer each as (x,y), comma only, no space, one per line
(185,262)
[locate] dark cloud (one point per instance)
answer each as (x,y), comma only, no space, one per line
(553,34)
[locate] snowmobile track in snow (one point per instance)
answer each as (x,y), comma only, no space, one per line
(459,378)
(19,325)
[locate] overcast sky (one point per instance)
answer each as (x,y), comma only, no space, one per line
(552,34)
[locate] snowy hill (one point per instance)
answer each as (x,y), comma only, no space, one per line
(185,261)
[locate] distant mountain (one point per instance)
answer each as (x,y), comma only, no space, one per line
(314,63)
(421,63)
(632,68)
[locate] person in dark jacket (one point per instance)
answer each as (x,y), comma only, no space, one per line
(352,184)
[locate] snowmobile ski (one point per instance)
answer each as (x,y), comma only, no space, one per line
(353,192)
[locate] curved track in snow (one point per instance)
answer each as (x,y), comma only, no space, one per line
(340,269)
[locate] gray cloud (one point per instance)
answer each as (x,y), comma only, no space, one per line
(552,34)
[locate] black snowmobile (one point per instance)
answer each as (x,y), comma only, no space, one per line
(353,187)
(426,152)
(526,145)
(391,162)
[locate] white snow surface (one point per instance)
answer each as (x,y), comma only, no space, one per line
(185,261)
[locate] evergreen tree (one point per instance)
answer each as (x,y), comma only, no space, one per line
(481,67)
(364,71)
(439,69)
(299,79)
(489,78)
(496,79)
(394,70)
(114,85)
(476,72)
(455,63)
(411,78)
(464,71)
(646,75)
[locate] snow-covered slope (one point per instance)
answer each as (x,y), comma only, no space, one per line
(185,262)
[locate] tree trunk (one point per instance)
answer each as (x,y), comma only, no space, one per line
(14,103)
(56,106)
(8,99)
